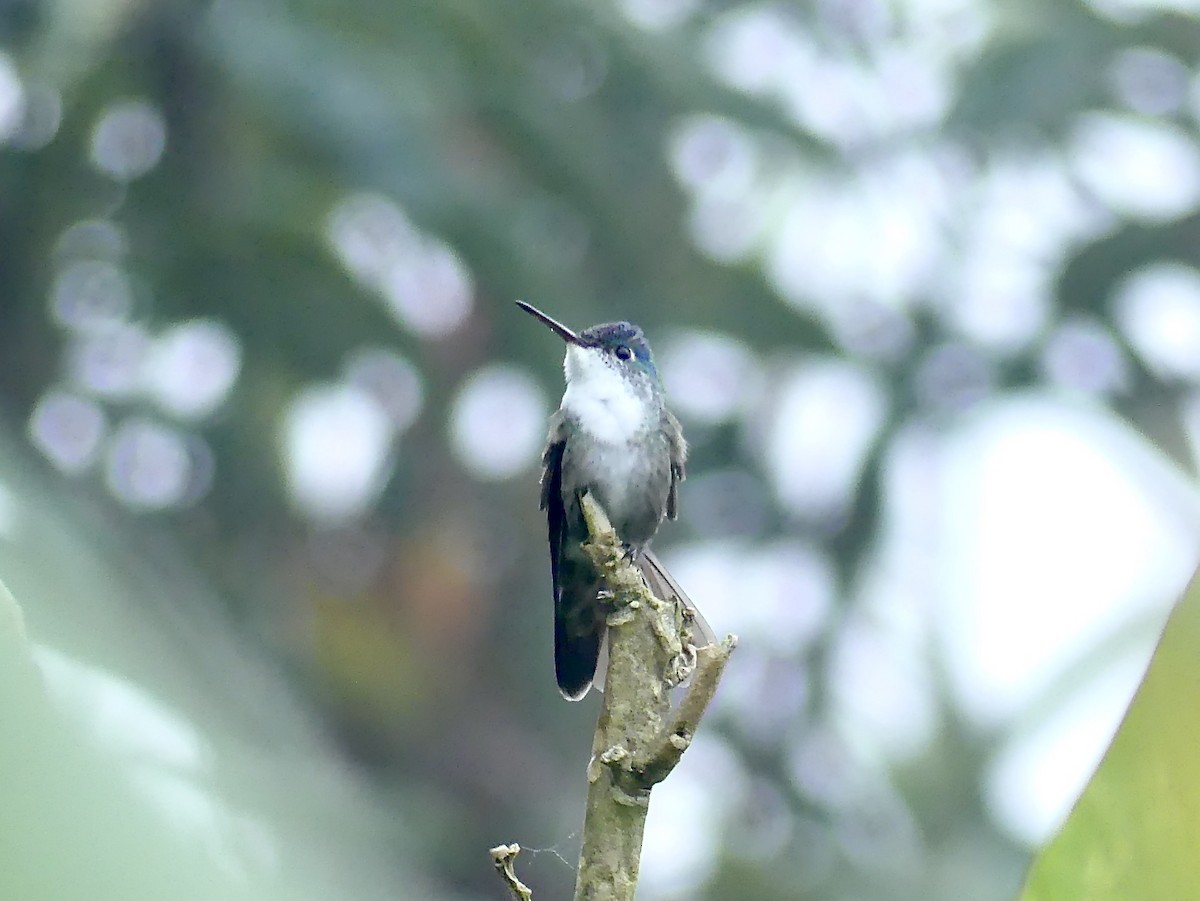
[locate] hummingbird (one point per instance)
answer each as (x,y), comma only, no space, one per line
(613,436)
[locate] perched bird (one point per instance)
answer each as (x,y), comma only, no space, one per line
(612,436)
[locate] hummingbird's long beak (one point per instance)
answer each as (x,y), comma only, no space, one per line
(553,324)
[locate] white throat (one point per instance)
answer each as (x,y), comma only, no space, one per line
(600,399)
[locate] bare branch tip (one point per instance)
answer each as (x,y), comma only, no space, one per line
(503,859)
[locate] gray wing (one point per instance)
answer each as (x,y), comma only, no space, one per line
(551,498)
(678,452)
(664,586)
(579,623)
(552,461)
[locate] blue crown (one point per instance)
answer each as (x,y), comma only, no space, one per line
(611,335)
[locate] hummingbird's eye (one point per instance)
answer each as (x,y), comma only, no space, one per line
(623,352)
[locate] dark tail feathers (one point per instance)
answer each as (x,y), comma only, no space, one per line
(578,632)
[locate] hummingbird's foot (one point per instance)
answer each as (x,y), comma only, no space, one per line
(630,552)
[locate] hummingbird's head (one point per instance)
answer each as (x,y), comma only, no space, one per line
(624,345)
(613,391)
(619,347)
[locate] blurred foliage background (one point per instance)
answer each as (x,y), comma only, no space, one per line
(271,425)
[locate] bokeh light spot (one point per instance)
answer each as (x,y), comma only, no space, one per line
(728,229)
(369,234)
(91,293)
(92,239)
(793,585)
(710,377)
(711,154)
(717,161)
(129,139)
(876,236)
(684,825)
(337,447)
(753,48)
(498,422)
(1149,81)
(12,99)
(894,86)
(1145,169)
(42,115)
(148,466)
(823,422)
(430,293)
(871,329)
(108,361)
(1004,299)
(192,366)
(1158,309)
(823,766)
(1041,597)
(393,381)
(883,685)
(423,282)
(67,429)
(1083,355)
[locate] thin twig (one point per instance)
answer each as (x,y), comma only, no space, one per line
(656,763)
(503,859)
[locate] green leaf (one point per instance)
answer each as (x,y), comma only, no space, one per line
(1133,832)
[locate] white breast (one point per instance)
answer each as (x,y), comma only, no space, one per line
(600,399)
